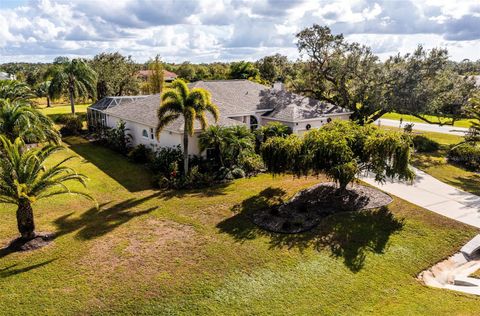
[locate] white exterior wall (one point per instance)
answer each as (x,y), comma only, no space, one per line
(167,138)
(301,127)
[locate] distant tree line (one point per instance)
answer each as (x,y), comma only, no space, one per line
(421,83)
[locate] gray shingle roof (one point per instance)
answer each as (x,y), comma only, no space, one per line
(233,97)
(236,96)
(294,107)
(144,111)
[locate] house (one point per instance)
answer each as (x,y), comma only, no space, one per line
(168,76)
(7,76)
(241,102)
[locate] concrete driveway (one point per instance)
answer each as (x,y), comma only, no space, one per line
(445,129)
(436,196)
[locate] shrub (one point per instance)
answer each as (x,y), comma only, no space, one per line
(467,155)
(118,138)
(164,158)
(72,125)
(238,173)
(140,154)
(424,144)
(252,164)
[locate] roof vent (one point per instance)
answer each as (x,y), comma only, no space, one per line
(278,86)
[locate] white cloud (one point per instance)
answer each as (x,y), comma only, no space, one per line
(202,31)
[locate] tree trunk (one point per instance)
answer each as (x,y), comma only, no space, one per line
(25,223)
(72,102)
(185,150)
(48,101)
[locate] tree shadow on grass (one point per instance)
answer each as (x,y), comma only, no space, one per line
(347,235)
(132,177)
(11,271)
(98,222)
(217,189)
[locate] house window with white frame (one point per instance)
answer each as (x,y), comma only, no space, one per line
(145,133)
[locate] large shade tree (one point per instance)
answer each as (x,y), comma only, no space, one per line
(190,105)
(25,178)
(116,75)
(20,119)
(342,73)
(73,77)
(341,150)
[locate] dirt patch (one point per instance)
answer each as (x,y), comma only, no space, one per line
(308,207)
(41,239)
(140,251)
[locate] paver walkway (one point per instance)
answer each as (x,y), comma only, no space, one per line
(436,196)
(446,129)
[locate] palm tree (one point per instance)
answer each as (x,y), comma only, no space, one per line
(75,77)
(239,142)
(15,90)
(41,91)
(25,178)
(191,105)
(214,137)
(20,119)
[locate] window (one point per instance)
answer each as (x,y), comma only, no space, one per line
(151,134)
(253,122)
(145,133)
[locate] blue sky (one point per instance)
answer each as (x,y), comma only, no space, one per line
(225,30)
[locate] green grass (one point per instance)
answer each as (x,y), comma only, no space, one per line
(410,118)
(64,109)
(188,253)
(444,139)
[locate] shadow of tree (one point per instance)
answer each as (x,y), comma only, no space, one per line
(218,189)
(10,271)
(347,235)
(469,183)
(132,177)
(97,222)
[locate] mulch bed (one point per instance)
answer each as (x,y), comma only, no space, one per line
(308,207)
(40,240)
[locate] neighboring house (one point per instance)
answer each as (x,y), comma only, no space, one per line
(168,76)
(241,102)
(7,76)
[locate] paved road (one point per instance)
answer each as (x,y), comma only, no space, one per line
(446,129)
(435,196)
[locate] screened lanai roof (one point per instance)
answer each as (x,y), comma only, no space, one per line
(109,102)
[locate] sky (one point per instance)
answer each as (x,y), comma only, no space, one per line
(228,30)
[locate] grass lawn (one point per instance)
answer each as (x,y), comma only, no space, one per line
(64,109)
(436,164)
(411,118)
(195,252)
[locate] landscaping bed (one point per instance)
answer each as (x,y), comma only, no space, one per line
(307,208)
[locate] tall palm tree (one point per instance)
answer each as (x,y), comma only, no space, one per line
(25,178)
(191,105)
(20,119)
(15,90)
(74,77)
(214,137)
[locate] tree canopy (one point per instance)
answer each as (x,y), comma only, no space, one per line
(341,150)
(116,75)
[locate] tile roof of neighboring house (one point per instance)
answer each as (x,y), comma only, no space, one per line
(166,74)
(294,107)
(144,111)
